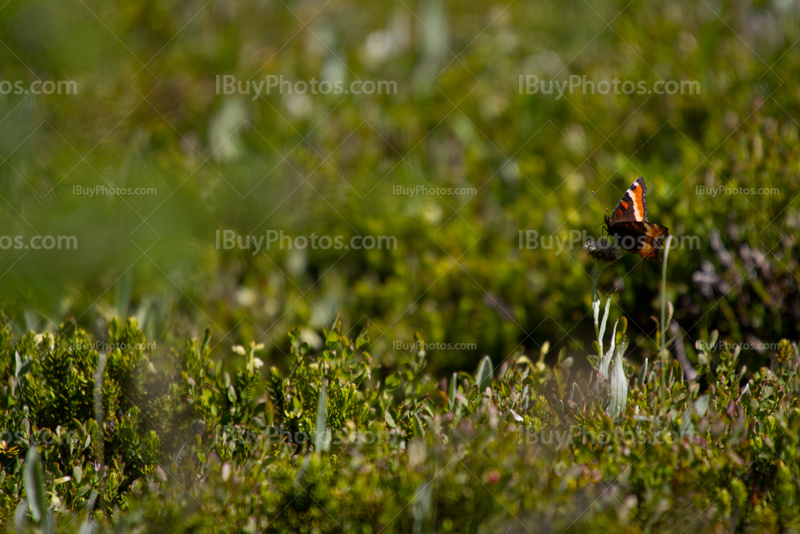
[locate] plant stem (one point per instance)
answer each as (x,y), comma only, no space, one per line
(599,267)
(664,296)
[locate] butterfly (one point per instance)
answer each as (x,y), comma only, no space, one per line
(629,227)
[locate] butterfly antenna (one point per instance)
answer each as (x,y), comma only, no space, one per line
(595,196)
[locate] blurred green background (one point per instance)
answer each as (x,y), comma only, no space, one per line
(147,114)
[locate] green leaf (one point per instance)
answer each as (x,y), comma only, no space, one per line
(713,341)
(544,350)
(389,419)
(602,330)
(643,374)
(623,326)
(206,340)
(453,391)
(331,340)
(20,518)
(419,430)
(596,313)
(297,407)
(77,472)
(392,381)
(619,384)
(98,409)
(34,484)
(322,419)
(700,407)
(606,359)
(483,378)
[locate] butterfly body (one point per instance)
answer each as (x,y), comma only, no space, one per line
(629,227)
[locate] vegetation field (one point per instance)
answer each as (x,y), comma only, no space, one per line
(344,266)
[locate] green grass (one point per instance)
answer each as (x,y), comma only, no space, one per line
(458,274)
(336,444)
(148,382)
